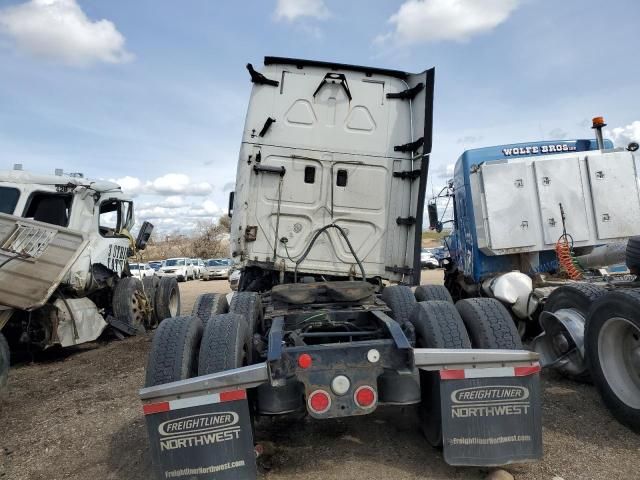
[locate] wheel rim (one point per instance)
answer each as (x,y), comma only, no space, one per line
(137,311)
(173,302)
(562,344)
(619,354)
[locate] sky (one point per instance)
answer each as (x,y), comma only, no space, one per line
(153,93)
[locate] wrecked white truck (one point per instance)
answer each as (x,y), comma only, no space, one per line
(64,248)
(326,229)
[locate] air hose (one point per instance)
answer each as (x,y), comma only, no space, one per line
(313,240)
(564,252)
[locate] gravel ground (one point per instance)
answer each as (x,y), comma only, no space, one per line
(74,414)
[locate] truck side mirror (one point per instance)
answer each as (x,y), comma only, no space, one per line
(231,196)
(432,210)
(143,236)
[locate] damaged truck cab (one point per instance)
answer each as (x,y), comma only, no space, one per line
(64,248)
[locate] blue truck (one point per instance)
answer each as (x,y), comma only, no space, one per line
(539,226)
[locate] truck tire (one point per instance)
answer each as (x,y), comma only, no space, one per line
(150,286)
(5,359)
(437,325)
(167,304)
(489,324)
(632,258)
(128,303)
(425,293)
(578,297)
(223,344)
(401,301)
(612,344)
(249,305)
(174,351)
(208,304)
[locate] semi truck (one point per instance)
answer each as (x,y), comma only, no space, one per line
(64,278)
(548,229)
(326,230)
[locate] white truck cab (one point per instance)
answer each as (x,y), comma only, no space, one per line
(64,276)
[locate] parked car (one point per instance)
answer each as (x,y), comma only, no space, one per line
(155,265)
(440,253)
(218,268)
(234,280)
(427,259)
(141,270)
(181,268)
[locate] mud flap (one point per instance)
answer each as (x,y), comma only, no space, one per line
(205,437)
(491,416)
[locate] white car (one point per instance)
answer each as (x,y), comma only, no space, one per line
(181,268)
(141,270)
(427,259)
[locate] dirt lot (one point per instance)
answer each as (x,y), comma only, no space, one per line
(75,415)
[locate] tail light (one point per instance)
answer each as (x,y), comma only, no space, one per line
(365,397)
(319,401)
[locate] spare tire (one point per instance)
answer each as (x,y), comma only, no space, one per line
(223,344)
(129,303)
(208,304)
(425,293)
(167,302)
(174,351)
(4,361)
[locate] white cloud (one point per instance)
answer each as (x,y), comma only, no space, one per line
(171,185)
(174,201)
(290,10)
(59,30)
(174,183)
(130,185)
(184,217)
(421,21)
(622,136)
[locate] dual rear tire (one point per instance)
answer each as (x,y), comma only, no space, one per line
(209,341)
(438,323)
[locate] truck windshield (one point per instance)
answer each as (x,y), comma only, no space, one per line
(8,199)
(174,261)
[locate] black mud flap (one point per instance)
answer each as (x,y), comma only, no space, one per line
(491,416)
(204,437)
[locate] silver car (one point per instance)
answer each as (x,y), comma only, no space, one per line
(216,268)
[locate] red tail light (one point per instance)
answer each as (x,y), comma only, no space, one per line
(365,397)
(319,401)
(305,360)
